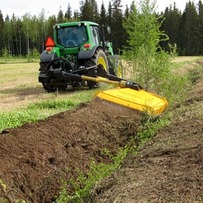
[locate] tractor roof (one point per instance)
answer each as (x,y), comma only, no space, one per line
(78,23)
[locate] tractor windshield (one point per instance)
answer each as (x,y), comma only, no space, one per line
(72,36)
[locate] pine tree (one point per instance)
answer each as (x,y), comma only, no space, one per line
(103,15)
(1,33)
(60,16)
(95,11)
(171,26)
(68,14)
(20,35)
(117,26)
(7,36)
(126,13)
(89,11)
(190,30)
(50,23)
(200,28)
(76,16)
(15,47)
(109,20)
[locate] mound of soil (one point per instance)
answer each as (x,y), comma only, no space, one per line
(37,157)
(169,168)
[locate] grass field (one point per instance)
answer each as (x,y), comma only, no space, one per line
(39,158)
(19,84)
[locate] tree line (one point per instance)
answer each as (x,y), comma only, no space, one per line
(26,35)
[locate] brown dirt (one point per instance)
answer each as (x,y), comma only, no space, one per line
(35,158)
(169,168)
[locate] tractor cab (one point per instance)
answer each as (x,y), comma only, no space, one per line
(73,36)
(85,35)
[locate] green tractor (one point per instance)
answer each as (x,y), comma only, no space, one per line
(79,56)
(78,49)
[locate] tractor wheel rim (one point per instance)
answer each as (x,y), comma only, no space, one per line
(119,71)
(102,61)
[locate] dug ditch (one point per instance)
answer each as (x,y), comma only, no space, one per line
(37,157)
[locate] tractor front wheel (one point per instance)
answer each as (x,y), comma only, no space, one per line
(115,65)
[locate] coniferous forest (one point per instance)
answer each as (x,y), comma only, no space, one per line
(25,35)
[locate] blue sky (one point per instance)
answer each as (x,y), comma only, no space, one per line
(34,7)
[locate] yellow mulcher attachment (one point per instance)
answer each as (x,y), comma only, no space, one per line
(131,95)
(135,99)
(127,93)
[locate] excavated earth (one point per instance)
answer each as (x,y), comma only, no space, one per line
(36,157)
(167,169)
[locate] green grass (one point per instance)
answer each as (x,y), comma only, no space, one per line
(43,109)
(18,73)
(84,184)
(12,60)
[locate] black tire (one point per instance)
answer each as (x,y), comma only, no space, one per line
(46,85)
(56,63)
(115,66)
(49,88)
(98,58)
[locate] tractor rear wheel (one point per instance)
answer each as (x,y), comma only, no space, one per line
(98,58)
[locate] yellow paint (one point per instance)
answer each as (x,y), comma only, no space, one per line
(139,100)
